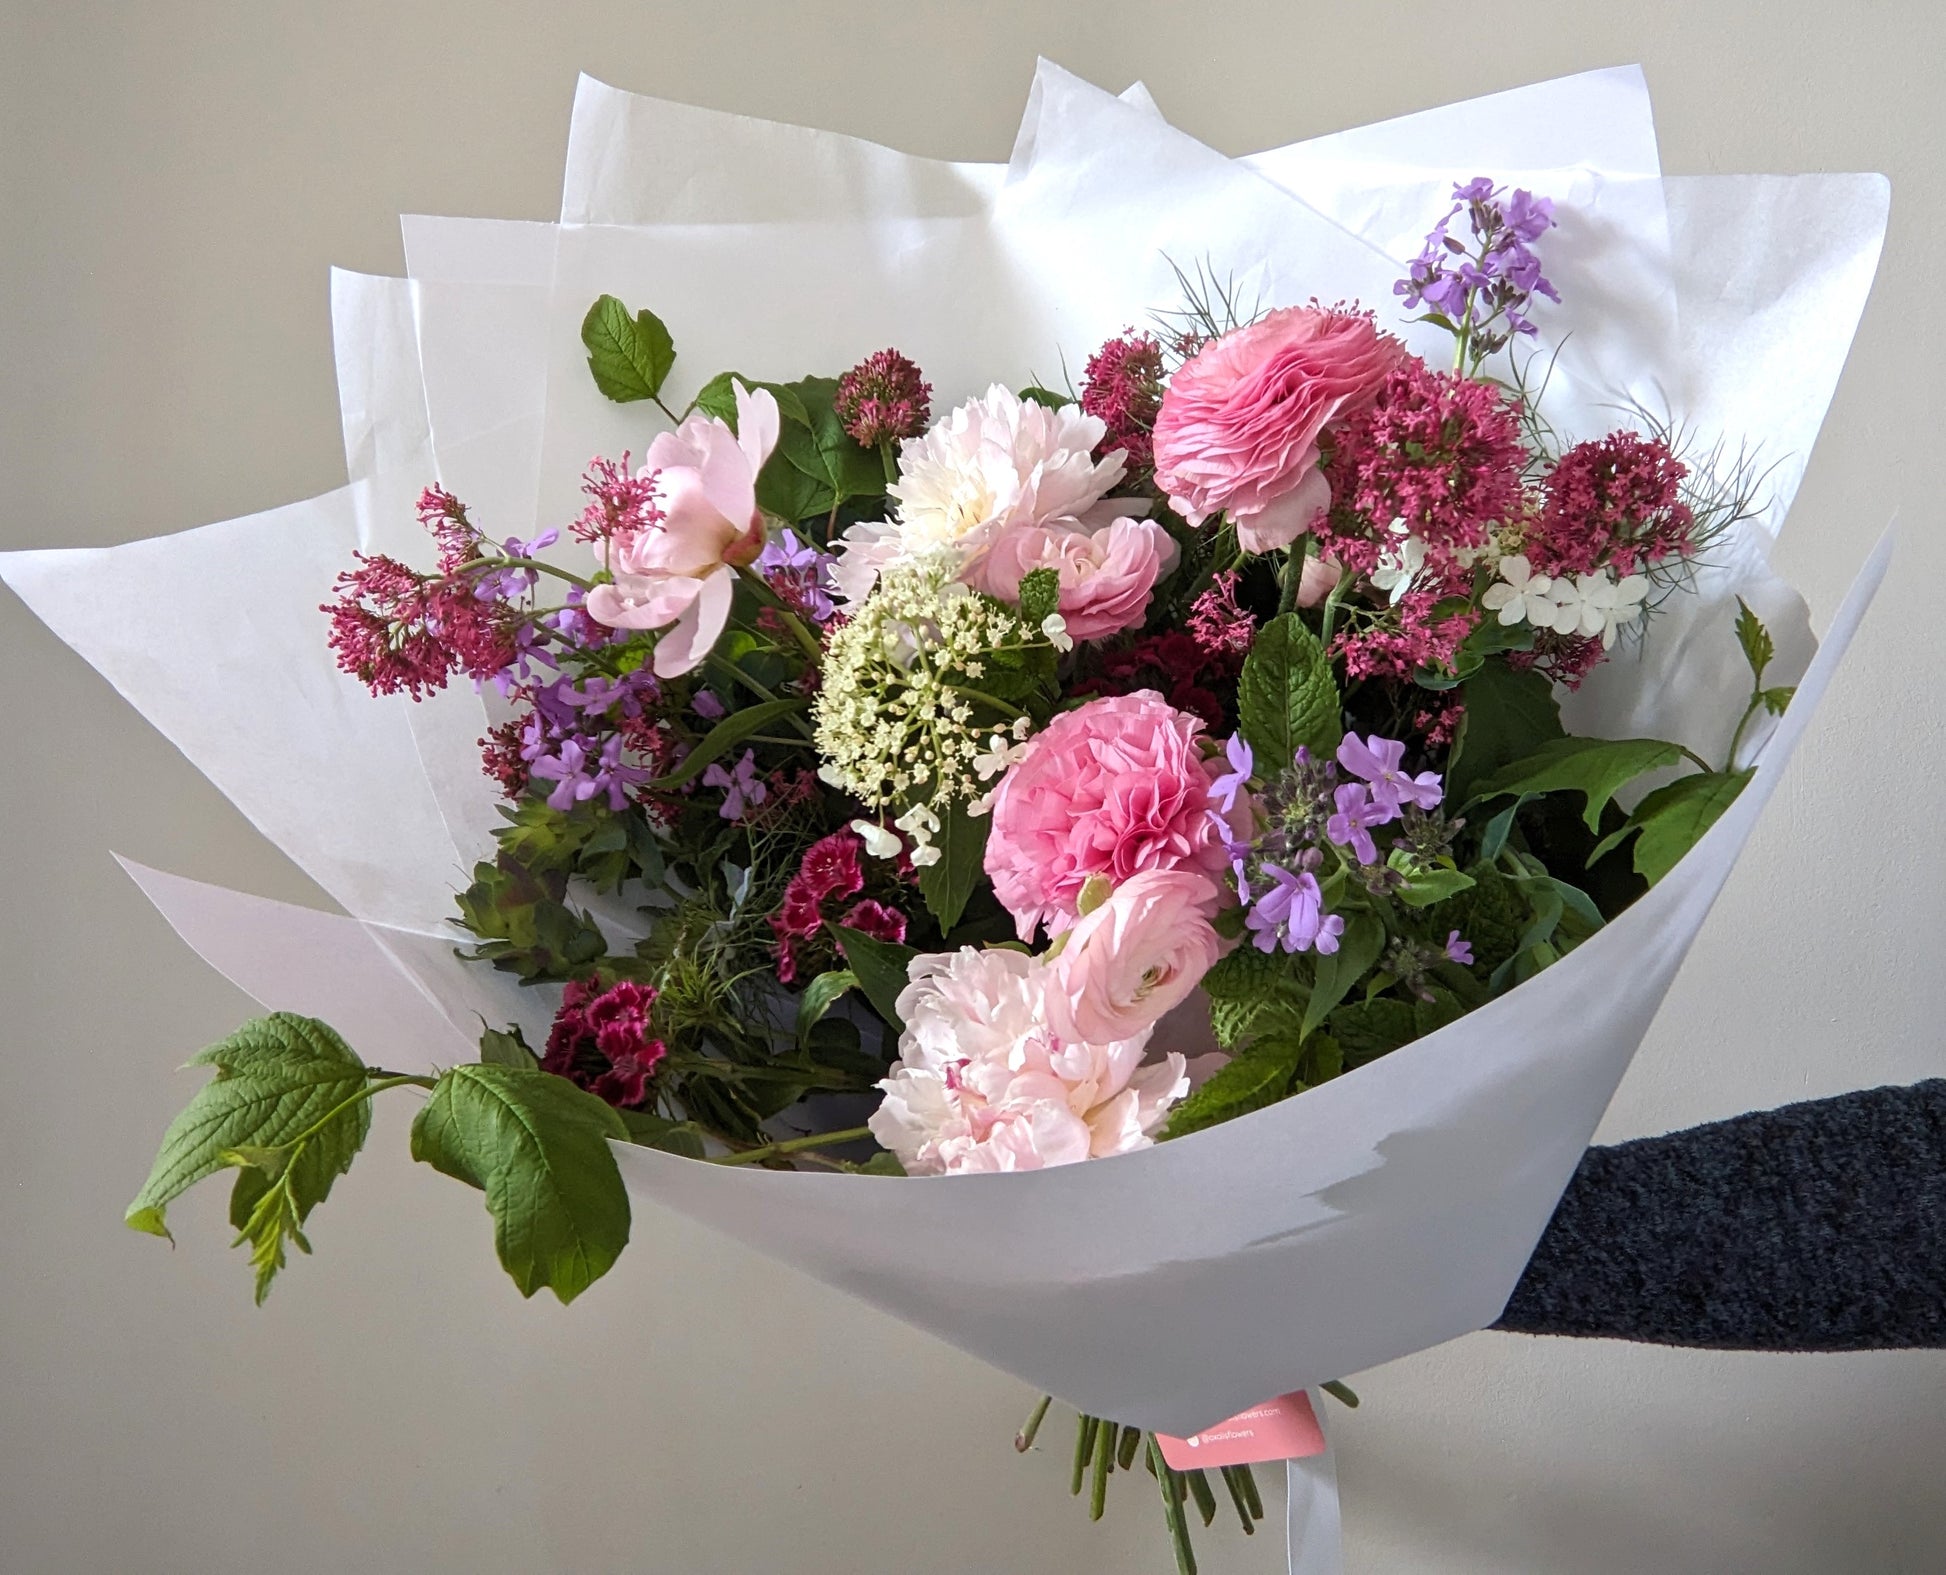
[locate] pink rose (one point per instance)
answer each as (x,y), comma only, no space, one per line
(1112,788)
(1239,424)
(1135,957)
(678,574)
(1106,575)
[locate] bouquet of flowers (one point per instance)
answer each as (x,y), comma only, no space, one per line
(1286,754)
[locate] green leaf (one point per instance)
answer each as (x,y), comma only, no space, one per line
(537,1146)
(1672,819)
(276,1078)
(1253,991)
(1596,768)
(1035,394)
(1040,595)
(508,1048)
(1776,700)
(1425,887)
(1287,697)
(1509,715)
(1758,647)
(726,735)
(947,884)
(629,356)
(818,998)
(672,1137)
(1358,949)
(1259,1076)
(880,967)
(718,398)
(819,446)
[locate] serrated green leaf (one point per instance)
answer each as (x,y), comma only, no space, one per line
(881,968)
(1287,697)
(726,735)
(1596,768)
(948,884)
(1509,715)
(276,1077)
(1776,700)
(1673,819)
(821,448)
(818,998)
(628,356)
(537,1146)
(1259,1076)
(672,1137)
(1758,647)
(1358,949)
(506,1047)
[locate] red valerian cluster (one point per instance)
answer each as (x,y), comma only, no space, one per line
(831,871)
(401,632)
(1122,388)
(883,399)
(1616,501)
(601,1041)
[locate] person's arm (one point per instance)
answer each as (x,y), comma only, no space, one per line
(1816,1227)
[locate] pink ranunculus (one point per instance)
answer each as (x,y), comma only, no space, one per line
(983,1084)
(1239,424)
(1318,579)
(1106,575)
(1112,788)
(1135,957)
(678,574)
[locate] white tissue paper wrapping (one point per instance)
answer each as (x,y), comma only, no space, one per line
(1381,1213)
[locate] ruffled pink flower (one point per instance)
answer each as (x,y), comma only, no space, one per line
(1106,575)
(1112,788)
(1135,957)
(678,574)
(1239,424)
(983,1083)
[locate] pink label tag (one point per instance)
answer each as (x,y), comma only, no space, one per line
(1280,1429)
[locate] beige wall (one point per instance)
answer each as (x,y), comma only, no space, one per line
(177,178)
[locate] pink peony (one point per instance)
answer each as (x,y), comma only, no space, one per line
(1106,575)
(983,1084)
(1135,957)
(1239,424)
(1112,788)
(676,573)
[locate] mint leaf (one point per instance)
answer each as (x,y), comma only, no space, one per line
(537,1146)
(1596,768)
(1287,697)
(1259,1076)
(628,356)
(1509,715)
(1758,647)
(276,1078)
(1358,949)
(948,884)
(880,968)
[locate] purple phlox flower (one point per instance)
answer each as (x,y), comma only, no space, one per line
(1459,950)
(1352,826)
(1471,291)
(1224,789)
(1290,914)
(579,771)
(799,573)
(508,585)
(705,704)
(743,788)
(1378,761)
(1239,852)
(1329,929)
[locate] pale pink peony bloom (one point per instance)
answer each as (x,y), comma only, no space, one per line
(1106,575)
(992,463)
(678,575)
(1135,957)
(983,1084)
(1239,424)
(1112,788)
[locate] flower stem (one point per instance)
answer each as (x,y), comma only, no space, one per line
(788,1146)
(985,699)
(792,622)
(1085,1428)
(1343,1393)
(1331,606)
(524,563)
(1104,1463)
(1024,1439)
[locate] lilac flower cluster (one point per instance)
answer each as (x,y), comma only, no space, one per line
(800,575)
(1304,812)
(575,736)
(1490,284)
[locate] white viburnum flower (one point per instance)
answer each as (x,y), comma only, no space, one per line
(1055,627)
(879,843)
(1608,605)
(1521,595)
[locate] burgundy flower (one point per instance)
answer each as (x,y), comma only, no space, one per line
(1122,388)
(883,399)
(601,1041)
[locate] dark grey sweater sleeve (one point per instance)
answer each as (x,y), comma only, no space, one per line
(1815,1227)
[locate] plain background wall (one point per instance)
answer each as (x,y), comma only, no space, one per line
(177,178)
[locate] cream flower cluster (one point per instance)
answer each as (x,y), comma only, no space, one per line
(983,1084)
(894,720)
